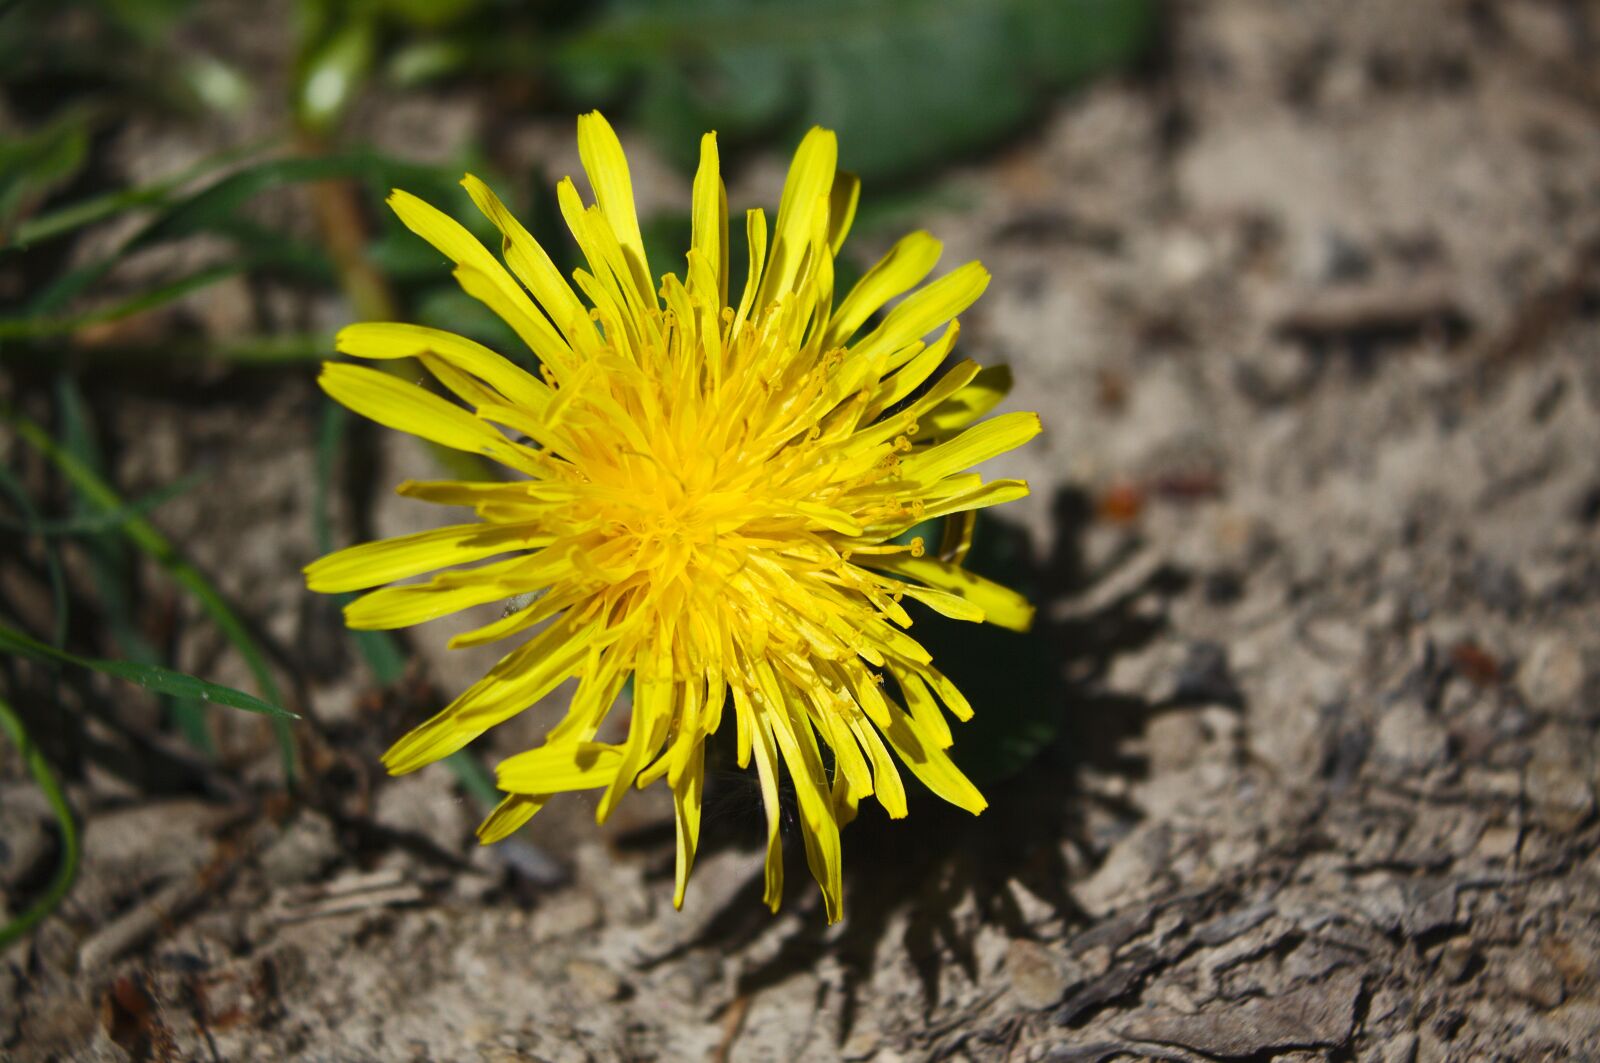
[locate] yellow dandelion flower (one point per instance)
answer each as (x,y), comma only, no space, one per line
(708,498)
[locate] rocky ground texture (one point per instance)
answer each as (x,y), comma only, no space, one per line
(1311,308)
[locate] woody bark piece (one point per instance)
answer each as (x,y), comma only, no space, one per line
(1314,1016)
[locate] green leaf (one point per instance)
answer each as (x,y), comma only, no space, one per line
(146,19)
(151,677)
(333,73)
(37,163)
(218,85)
(67,869)
(420,62)
(429,14)
(905,83)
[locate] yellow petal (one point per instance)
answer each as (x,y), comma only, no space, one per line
(691,732)
(920,752)
(994,493)
(891,792)
(481,275)
(607,168)
(916,370)
(832,519)
(541,608)
(945,604)
(954,379)
(532,265)
(1001,605)
(755,225)
(925,310)
(465,492)
(541,430)
(554,769)
(383,611)
(955,541)
(992,384)
(842,202)
(521,678)
(948,692)
(848,762)
(819,826)
(509,816)
(766,759)
(464,386)
(369,564)
(612,285)
(652,715)
(451,592)
(709,225)
(744,722)
(973,447)
(819,830)
(688,737)
(805,192)
(908,261)
(602,680)
(845,803)
(409,408)
(686,800)
(395,340)
(924,710)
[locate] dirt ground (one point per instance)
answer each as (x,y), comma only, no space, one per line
(1311,309)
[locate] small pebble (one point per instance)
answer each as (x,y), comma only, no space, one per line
(1409,737)
(1552,678)
(594,981)
(1039,977)
(1531,976)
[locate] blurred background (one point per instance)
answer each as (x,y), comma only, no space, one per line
(1300,757)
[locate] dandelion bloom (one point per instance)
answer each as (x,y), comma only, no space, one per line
(708,498)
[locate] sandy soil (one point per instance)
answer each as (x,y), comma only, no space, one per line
(1311,308)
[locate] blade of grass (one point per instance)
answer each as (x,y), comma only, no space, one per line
(33,327)
(155,194)
(67,869)
(109,560)
(267,351)
(150,676)
(31,524)
(474,778)
(203,211)
(35,162)
(146,537)
(96,523)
